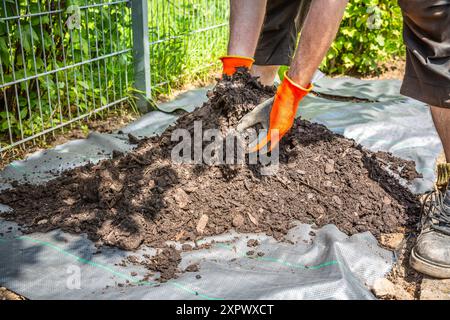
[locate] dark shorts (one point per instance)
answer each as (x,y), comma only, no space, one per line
(282,24)
(426,33)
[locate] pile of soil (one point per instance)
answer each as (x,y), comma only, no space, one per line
(145,198)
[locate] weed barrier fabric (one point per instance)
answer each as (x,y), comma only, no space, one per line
(326,265)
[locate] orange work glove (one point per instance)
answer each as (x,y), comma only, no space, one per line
(284,109)
(230,63)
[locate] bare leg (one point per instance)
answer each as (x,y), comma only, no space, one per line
(319,31)
(441,119)
(266,74)
(246,19)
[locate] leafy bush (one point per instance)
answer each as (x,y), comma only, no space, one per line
(369,37)
(43,43)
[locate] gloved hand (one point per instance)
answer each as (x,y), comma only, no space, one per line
(230,63)
(259,115)
(282,113)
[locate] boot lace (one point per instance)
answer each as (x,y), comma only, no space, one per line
(436,212)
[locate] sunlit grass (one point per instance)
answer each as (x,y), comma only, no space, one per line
(186,40)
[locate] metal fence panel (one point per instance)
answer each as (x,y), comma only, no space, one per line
(58,67)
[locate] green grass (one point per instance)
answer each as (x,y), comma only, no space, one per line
(187,38)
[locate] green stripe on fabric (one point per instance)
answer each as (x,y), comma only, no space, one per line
(107,268)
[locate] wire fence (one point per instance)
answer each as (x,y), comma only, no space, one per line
(185,37)
(62,61)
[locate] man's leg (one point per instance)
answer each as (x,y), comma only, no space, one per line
(246,19)
(316,38)
(441,119)
(319,30)
(266,74)
(425,33)
(278,39)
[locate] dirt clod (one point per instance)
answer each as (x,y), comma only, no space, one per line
(238,221)
(166,263)
(329,168)
(201,225)
(252,243)
(383,288)
(392,240)
(186,247)
(192,268)
(132,139)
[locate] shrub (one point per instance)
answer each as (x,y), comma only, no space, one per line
(42,43)
(369,37)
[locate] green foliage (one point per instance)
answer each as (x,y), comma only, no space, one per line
(38,45)
(186,38)
(369,37)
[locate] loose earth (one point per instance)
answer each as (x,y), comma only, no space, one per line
(145,198)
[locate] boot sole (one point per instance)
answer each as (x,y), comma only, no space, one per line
(428,268)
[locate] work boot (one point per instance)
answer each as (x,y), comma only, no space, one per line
(431,254)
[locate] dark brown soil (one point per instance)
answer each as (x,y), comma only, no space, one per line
(252,243)
(145,198)
(165,262)
(192,268)
(406,169)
